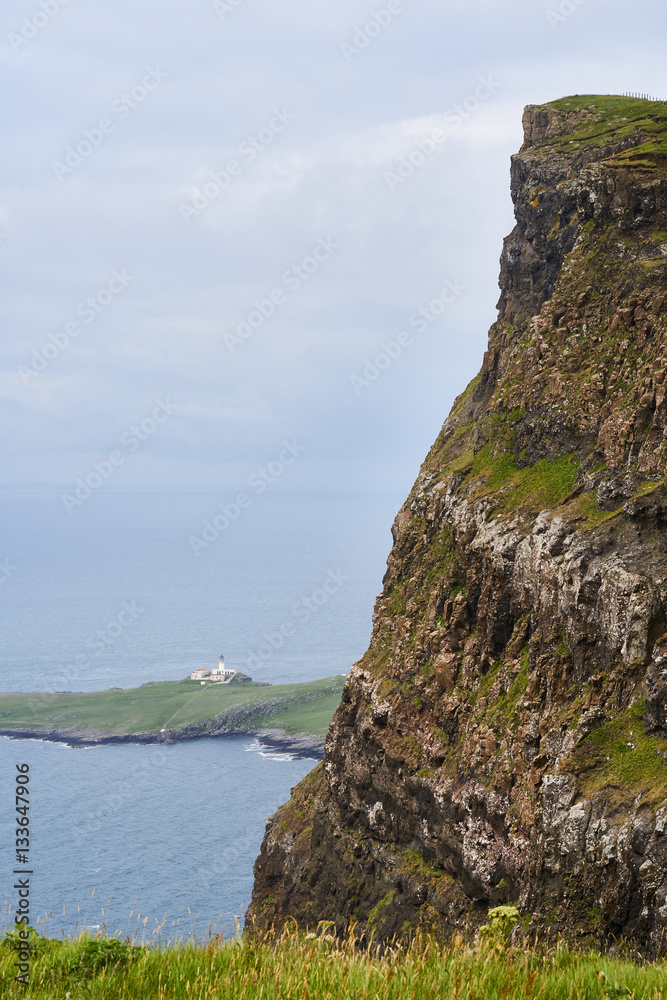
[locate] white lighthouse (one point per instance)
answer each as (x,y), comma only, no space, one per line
(219,675)
(222,675)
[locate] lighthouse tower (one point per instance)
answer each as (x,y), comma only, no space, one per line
(221,674)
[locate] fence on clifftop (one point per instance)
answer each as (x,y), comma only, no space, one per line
(643,97)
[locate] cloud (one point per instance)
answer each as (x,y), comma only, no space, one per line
(320,177)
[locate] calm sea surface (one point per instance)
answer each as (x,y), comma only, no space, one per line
(114,595)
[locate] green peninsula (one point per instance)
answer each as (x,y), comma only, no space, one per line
(296,716)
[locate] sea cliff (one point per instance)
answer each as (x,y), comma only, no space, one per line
(504,739)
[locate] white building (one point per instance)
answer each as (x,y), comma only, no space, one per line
(219,675)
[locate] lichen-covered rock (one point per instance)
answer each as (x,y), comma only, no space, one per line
(504,739)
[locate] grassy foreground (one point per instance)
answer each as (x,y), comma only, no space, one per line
(296,708)
(302,967)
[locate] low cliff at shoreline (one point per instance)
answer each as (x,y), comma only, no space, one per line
(504,739)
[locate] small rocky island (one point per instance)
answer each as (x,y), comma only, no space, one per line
(504,739)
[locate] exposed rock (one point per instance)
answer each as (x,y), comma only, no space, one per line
(504,738)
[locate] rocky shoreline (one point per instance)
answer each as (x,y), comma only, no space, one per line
(237,720)
(300,745)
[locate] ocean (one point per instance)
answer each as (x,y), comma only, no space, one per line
(161,840)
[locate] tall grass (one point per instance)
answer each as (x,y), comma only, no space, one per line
(309,967)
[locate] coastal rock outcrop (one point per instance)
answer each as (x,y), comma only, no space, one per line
(504,739)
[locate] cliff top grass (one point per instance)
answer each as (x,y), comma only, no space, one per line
(296,708)
(604,120)
(315,966)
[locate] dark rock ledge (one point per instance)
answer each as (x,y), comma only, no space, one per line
(303,745)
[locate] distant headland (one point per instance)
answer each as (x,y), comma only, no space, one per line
(289,717)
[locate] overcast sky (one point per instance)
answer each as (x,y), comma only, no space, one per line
(232,207)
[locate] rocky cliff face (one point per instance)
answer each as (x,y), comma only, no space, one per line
(504,739)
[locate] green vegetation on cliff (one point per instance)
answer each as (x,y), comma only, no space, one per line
(318,968)
(295,708)
(541,486)
(622,759)
(608,119)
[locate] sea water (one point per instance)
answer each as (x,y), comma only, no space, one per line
(117,594)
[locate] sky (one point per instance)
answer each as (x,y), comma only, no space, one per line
(239,236)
